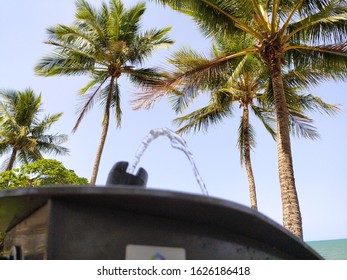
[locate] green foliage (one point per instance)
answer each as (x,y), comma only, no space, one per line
(40,173)
(245,82)
(22,133)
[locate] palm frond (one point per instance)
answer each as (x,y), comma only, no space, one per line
(40,127)
(5,146)
(88,100)
(211,68)
(90,16)
(328,57)
(59,64)
(70,35)
(99,77)
(301,126)
(116,11)
(327,26)
(143,77)
(116,105)
(131,22)
(187,59)
(25,157)
(179,101)
(219,107)
(4,164)
(217,19)
(50,144)
(9,94)
(311,7)
(200,74)
(309,102)
(200,119)
(307,78)
(267,118)
(143,45)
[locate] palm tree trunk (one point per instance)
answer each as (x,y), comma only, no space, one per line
(247,157)
(105,125)
(290,204)
(12,159)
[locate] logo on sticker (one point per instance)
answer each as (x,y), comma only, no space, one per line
(158,256)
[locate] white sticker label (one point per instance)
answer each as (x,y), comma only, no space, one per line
(142,252)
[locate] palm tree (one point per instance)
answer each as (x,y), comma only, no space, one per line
(246,84)
(22,134)
(105,43)
(243,83)
(245,93)
(299,33)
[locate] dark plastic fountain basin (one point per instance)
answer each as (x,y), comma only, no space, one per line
(126,222)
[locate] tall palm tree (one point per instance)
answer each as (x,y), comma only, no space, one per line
(105,43)
(22,134)
(299,33)
(246,84)
(242,84)
(244,90)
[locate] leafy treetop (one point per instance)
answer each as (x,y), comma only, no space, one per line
(40,173)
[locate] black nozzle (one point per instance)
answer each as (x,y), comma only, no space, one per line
(119,176)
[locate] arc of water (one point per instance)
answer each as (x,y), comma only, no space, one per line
(177,142)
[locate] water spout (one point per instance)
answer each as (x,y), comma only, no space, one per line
(177,142)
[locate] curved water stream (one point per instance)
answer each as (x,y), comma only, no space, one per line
(177,142)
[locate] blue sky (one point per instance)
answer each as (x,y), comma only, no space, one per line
(320,166)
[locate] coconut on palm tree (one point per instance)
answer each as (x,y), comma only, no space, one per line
(22,134)
(301,33)
(105,43)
